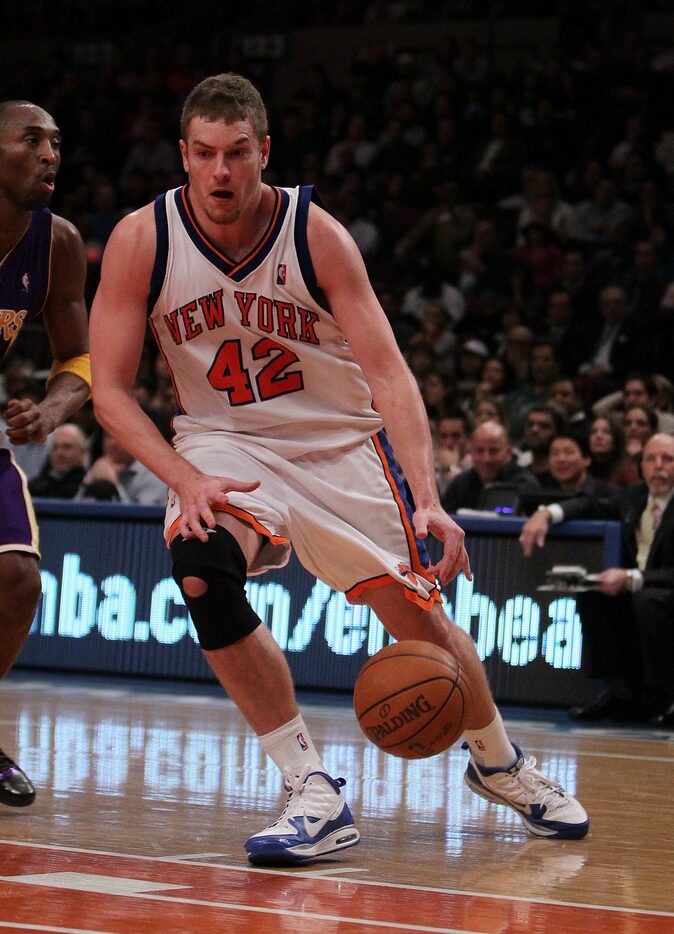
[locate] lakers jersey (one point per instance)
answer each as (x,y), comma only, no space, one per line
(24,278)
(249,345)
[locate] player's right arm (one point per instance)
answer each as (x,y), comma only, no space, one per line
(117,332)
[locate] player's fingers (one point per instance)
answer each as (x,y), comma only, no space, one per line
(420,527)
(239,486)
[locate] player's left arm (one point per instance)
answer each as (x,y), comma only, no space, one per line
(341,274)
(65,319)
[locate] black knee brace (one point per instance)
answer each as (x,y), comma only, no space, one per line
(222,615)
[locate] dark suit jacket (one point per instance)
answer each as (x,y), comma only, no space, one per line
(466,489)
(626,507)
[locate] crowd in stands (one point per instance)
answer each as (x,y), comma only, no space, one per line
(516,218)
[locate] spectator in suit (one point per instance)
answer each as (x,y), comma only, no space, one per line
(629,619)
(119,476)
(612,346)
(62,472)
(493,462)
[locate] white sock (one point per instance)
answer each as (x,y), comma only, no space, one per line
(290,747)
(490,746)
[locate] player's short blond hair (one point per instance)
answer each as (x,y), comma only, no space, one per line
(229,97)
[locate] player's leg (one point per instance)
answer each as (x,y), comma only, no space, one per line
(497,770)
(253,670)
(20,589)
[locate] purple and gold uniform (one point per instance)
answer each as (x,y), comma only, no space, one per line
(24,284)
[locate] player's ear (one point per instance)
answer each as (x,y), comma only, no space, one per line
(264,152)
(183,154)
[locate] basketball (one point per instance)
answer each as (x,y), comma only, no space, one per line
(411,699)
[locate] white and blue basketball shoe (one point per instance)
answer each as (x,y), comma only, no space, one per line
(315,821)
(545,808)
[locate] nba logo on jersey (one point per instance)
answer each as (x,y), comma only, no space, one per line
(300,736)
(281,274)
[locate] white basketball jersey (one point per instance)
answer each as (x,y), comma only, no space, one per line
(248,345)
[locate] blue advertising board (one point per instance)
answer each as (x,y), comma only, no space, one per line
(109,604)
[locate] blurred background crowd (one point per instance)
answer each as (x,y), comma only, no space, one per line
(507,170)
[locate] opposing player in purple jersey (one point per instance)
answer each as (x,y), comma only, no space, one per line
(42,270)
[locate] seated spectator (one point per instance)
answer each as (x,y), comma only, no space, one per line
(492,379)
(432,290)
(627,621)
(451,446)
(517,344)
(596,219)
(639,423)
(609,461)
(488,409)
(544,370)
(439,232)
(569,462)
(133,482)
(437,392)
(485,265)
(436,334)
(470,359)
(611,346)
(543,423)
(493,462)
(564,396)
(637,389)
(65,467)
(539,263)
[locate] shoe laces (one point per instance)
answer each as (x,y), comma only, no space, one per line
(294,785)
(524,780)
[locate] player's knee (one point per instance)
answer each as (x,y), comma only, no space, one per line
(212,578)
(194,586)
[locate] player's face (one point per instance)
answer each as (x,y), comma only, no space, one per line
(30,155)
(224,162)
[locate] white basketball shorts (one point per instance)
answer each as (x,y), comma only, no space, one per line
(346,514)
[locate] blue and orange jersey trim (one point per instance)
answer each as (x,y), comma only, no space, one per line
(235,270)
(419,559)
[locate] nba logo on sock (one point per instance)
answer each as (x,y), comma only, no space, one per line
(281,274)
(304,745)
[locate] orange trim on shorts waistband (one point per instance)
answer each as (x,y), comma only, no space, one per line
(417,566)
(246,517)
(426,603)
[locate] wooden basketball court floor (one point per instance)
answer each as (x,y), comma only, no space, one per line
(147,791)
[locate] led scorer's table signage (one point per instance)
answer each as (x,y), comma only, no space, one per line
(109,604)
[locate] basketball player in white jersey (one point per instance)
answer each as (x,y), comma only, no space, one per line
(292,396)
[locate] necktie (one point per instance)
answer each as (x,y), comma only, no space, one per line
(649,523)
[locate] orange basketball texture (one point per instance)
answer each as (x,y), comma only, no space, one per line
(411,699)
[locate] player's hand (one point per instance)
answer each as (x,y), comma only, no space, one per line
(434,520)
(26,422)
(613,581)
(199,496)
(534,532)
